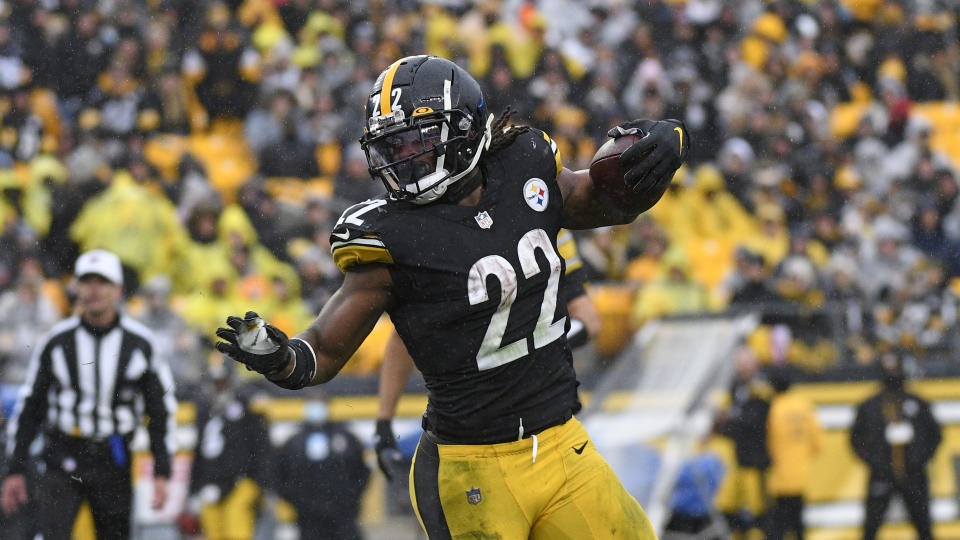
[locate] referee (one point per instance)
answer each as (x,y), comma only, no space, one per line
(90,381)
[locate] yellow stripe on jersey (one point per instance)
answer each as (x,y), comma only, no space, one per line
(567,247)
(349,254)
(387,87)
(556,153)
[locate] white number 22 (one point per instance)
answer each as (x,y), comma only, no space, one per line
(492,351)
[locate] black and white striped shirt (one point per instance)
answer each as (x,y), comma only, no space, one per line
(93,383)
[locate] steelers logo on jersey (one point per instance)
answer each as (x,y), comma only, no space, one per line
(536,194)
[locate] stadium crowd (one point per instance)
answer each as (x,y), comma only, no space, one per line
(212,146)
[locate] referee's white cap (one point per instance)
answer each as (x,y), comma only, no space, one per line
(102,263)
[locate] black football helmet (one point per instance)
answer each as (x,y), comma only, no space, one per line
(427,126)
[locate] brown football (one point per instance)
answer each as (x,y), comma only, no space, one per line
(605,170)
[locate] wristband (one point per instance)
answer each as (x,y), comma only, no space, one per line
(304,366)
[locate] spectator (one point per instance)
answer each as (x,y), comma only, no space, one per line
(25,312)
(167,103)
(290,156)
(886,263)
(745,423)
(138,224)
(794,439)
(224,68)
(352,185)
(753,291)
(772,240)
(931,239)
(855,322)
(318,276)
(264,126)
(673,293)
(896,435)
(797,282)
(322,474)
(177,343)
(646,264)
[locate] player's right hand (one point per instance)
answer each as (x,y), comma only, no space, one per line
(259,346)
(389,458)
(14,493)
(650,162)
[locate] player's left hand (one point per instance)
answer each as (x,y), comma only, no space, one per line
(260,346)
(389,458)
(650,162)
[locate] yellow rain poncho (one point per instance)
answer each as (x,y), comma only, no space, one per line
(139,226)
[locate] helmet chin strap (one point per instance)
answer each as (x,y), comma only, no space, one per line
(438,176)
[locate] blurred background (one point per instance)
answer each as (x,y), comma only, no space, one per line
(213,144)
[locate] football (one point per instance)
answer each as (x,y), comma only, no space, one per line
(605,170)
(607,176)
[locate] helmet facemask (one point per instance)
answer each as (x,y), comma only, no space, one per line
(415,161)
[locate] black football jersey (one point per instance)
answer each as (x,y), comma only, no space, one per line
(477,295)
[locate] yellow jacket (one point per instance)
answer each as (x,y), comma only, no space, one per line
(139,226)
(200,264)
(673,293)
(794,438)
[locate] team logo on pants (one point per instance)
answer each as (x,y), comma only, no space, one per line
(473,496)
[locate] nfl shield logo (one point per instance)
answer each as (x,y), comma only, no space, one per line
(473,496)
(484,220)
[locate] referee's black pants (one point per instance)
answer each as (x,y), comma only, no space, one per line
(76,470)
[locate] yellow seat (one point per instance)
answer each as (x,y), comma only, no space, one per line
(845,117)
(164,152)
(226,175)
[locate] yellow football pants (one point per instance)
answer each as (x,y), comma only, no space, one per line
(553,487)
(234,517)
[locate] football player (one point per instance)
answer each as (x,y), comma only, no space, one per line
(462,254)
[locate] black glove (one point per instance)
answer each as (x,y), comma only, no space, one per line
(389,457)
(259,346)
(650,162)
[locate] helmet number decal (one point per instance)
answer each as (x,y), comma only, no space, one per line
(395,94)
(492,352)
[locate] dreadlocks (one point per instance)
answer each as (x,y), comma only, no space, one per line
(503,136)
(503,133)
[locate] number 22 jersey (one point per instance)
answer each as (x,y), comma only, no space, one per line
(476,292)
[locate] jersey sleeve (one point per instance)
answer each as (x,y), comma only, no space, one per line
(574,276)
(356,239)
(557,160)
(567,247)
(555,151)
